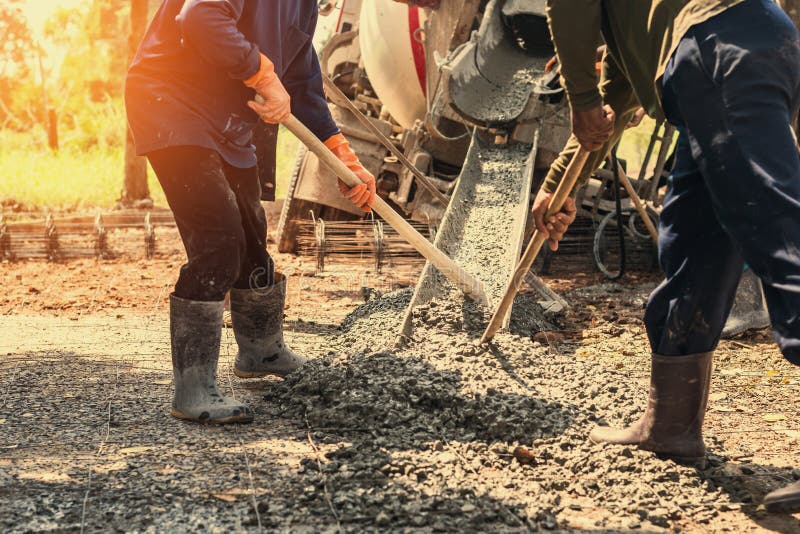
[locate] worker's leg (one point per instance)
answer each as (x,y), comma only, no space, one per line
(208,220)
(684,318)
(256,266)
(258,296)
(735,84)
(686,313)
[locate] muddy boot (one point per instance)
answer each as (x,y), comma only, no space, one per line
(195,329)
(785,500)
(672,423)
(749,310)
(257,316)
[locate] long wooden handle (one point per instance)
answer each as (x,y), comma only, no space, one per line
(471,286)
(340,98)
(535,245)
(637,203)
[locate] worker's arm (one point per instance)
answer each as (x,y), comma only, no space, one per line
(209,27)
(616,91)
(303,81)
(575,28)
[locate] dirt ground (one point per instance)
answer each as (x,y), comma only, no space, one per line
(442,435)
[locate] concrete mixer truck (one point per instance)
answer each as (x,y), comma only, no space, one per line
(466,76)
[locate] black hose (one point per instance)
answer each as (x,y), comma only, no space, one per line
(620,225)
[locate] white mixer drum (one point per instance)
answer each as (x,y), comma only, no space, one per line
(390,34)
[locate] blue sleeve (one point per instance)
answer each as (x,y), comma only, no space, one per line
(303,82)
(210,28)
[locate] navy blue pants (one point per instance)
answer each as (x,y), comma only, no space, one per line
(732,87)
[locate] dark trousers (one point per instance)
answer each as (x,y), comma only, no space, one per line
(732,87)
(221,221)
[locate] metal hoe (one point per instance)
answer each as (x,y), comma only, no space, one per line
(472,287)
(535,245)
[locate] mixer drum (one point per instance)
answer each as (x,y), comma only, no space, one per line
(394,57)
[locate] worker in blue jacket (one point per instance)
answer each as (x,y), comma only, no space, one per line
(190,98)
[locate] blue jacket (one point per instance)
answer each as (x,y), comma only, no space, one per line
(185,85)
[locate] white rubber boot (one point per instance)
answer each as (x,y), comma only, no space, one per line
(749,310)
(195,329)
(257,316)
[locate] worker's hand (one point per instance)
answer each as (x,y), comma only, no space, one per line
(556,226)
(277,105)
(362,195)
(593,127)
(636,120)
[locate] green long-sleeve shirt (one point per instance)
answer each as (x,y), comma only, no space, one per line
(615,91)
(640,35)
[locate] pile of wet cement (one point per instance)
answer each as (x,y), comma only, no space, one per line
(429,435)
(504,103)
(483,243)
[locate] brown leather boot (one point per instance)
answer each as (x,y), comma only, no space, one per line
(672,424)
(785,500)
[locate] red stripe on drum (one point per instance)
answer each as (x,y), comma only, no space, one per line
(417,48)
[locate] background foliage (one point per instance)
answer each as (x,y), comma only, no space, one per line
(83,54)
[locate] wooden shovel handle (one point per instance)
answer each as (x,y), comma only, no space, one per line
(535,245)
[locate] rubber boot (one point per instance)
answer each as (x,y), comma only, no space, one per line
(257,316)
(749,310)
(673,421)
(195,328)
(785,500)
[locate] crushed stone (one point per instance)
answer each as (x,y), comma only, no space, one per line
(428,436)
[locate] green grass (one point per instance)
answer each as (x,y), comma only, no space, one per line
(634,146)
(83,179)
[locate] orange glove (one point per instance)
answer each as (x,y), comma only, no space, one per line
(278,105)
(362,195)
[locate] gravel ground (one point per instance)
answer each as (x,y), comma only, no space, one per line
(441,435)
(492,437)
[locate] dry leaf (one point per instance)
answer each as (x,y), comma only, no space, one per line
(225,497)
(524,455)
(162,382)
(774,417)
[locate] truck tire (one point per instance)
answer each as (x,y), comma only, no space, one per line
(292,209)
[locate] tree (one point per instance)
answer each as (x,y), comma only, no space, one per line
(135,190)
(16,40)
(16,48)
